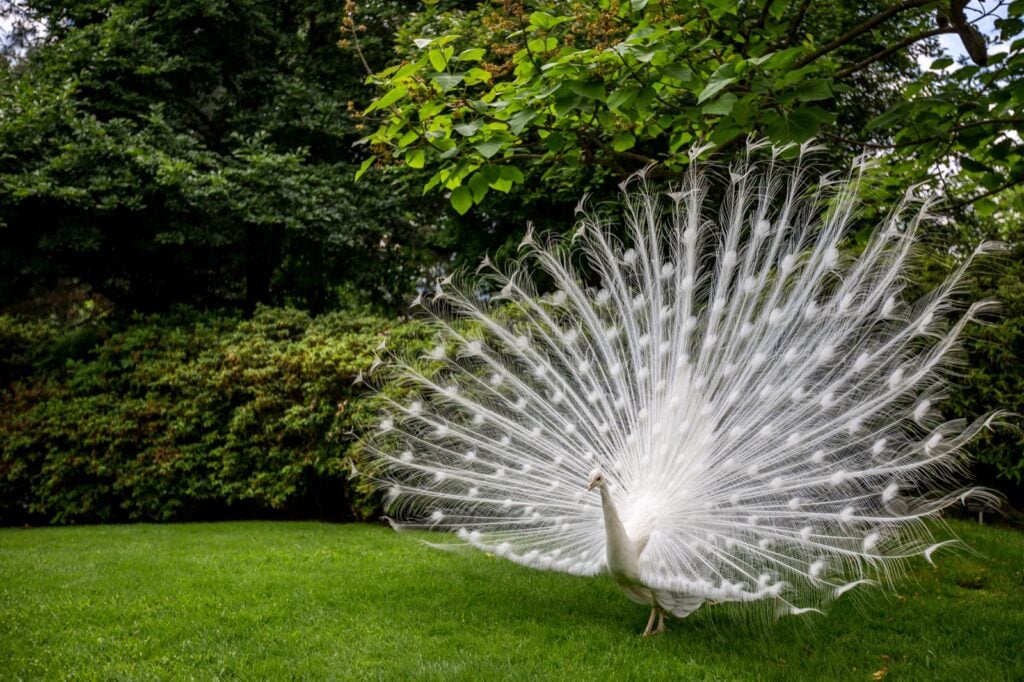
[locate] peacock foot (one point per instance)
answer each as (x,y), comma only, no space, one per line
(650,631)
(661,623)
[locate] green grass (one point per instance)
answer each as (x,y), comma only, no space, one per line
(261,600)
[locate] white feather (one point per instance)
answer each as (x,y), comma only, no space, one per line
(752,414)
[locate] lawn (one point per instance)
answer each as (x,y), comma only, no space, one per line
(266,600)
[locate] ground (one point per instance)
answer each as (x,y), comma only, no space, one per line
(270,600)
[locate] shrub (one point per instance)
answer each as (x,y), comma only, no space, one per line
(187,415)
(991,375)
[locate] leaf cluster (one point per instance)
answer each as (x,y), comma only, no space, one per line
(187,415)
(478,94)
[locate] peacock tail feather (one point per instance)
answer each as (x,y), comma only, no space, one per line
(762,404)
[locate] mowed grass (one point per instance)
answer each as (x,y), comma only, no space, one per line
(266,600)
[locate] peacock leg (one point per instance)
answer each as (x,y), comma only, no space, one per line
(661,623)
(650,622)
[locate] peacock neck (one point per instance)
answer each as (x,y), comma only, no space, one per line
(623,561)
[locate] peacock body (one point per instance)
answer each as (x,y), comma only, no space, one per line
(755,409)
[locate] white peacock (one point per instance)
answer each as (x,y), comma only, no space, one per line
(755,409)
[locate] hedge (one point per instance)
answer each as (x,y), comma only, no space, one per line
(187,416)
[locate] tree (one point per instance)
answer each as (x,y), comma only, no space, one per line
(198,151)
(479,94)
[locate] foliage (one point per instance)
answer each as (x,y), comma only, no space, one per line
(481,93)
(994,376)
(961,122)
(199,152)
(284,600)
(992,369)
(188,416)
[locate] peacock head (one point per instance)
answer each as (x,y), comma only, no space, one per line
(596,479)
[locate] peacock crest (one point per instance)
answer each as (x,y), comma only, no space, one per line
(759,406)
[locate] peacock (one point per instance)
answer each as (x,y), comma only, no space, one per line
(711,400)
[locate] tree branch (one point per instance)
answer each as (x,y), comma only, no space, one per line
(349,22)
(986,122)
(924,140)
(871,23)
(906,42)
(794,23)
(966,202)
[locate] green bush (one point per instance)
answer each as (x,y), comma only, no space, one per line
(989,374)
(187,415)
(992,376)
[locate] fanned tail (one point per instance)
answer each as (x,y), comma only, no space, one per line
(762,405)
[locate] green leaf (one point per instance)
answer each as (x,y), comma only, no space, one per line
(388,98)
(644,98)
(437,60)
(889,117)
(474,54)
(589,89)
(545,21)
(415,158)
(542,45)
(489,148)
(941,63)
(513,174)
(507,175)
(408,70)
(517,121)
(719,8)
(644,55)
(798,125)
(622,97)
(554,142)
(469,127)
(721,78)
(721,106)
(365,166)
(623,141)
(476,75)
(973,166)
(565,102)
(407,139)
(433,182)
(478,185)
(813,90)
(985,207)
(678,71)
(429,110)
(446,81)
(461,199)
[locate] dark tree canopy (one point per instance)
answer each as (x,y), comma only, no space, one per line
(195,151)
